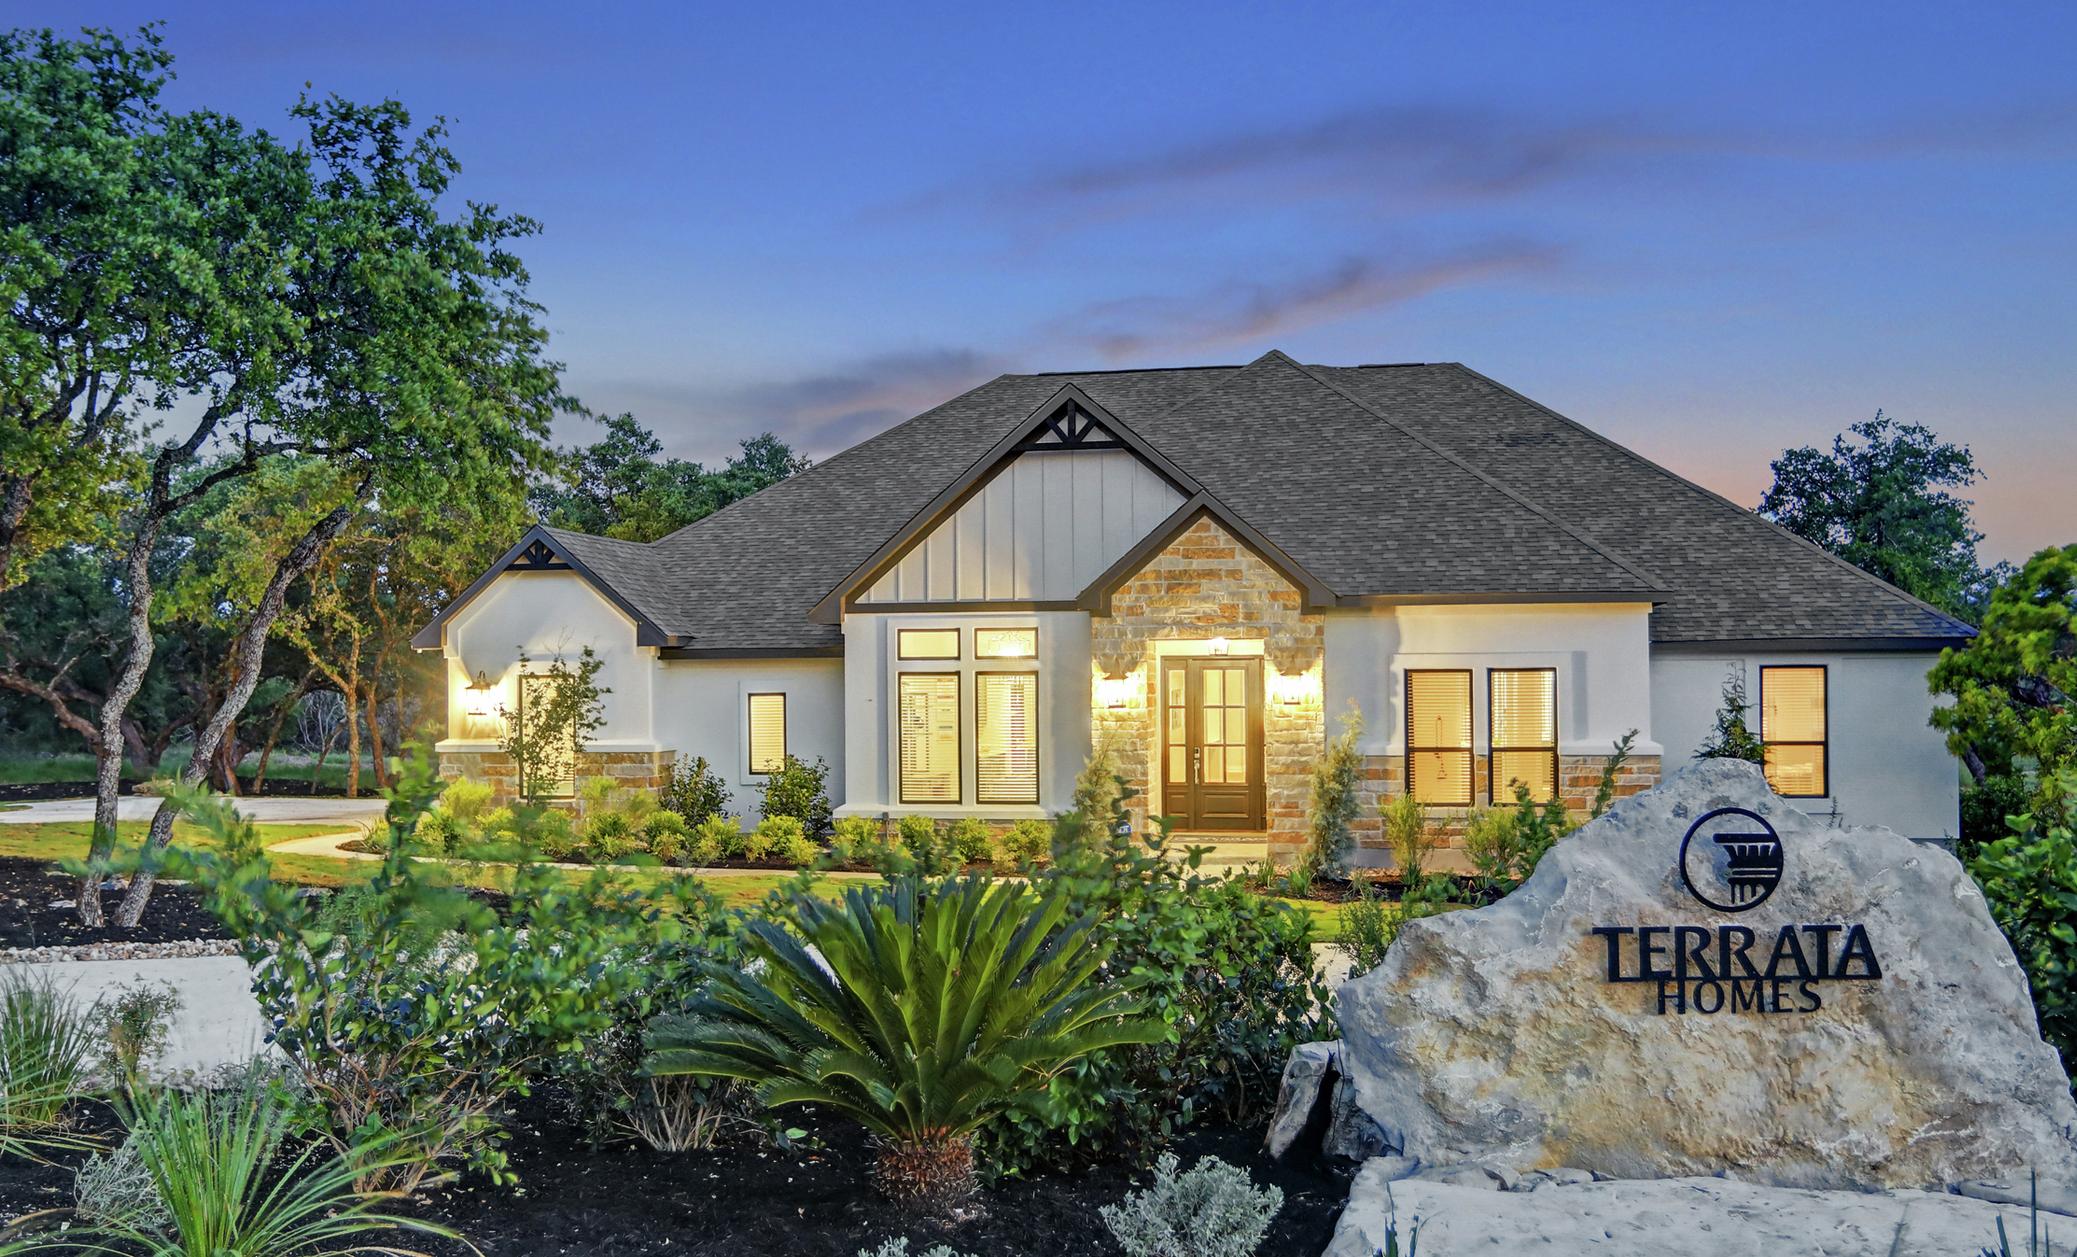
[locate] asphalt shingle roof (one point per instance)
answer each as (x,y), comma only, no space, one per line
(1407,480)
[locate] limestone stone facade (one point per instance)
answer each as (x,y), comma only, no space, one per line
(1205,584)
(640,770)
(1579,777)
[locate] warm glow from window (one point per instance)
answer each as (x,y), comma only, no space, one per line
(1524,712)
(1438,737)
(559,780)
(767,732)
(1006,737)
(928,719)
(1010,643)
(927,643)
(1792,725)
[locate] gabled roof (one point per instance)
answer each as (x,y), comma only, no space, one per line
(616,569)
(1412,483)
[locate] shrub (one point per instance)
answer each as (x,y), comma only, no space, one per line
(115,1189)
(1028,841)
(1406,830)
(46,1044)
(1369,925)
(899,1247)
(1229,973)
(1731,738)
(924,843)
(801,791)
(609,836)
(1335,780)
(970,841)
(498,822)
(756,844)
(2029,881)
(718,837)
(695,792)
(1604,793)
(466,801)
(437,834)
(1215,1210)
(941,1007)
(1493,845)
(862,840)
(799,850)
(663,834)
(226,1183)
(138,1017)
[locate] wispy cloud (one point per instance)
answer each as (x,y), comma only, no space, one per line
(1254,310)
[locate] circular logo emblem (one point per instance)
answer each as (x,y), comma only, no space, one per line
(1731,859)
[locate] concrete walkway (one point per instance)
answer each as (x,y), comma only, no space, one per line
(355,813)
(217,1026)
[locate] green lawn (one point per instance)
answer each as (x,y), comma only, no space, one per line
(28,767)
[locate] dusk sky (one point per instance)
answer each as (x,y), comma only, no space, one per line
(1709,234)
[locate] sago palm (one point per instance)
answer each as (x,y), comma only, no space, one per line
(922,1011)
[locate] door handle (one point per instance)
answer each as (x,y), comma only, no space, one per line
(1196,765)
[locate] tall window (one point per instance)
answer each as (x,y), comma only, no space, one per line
(1792,726)
(553,774)
(1438,736)
(767,732)
(1523,703)
(1006,737)
(928,719)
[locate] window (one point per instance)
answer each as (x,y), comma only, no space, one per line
(1792,726)
(928,718)
(553,771)
(1006,737)
(927,643)
(997,643)
(767,732)
(1438,736)
(1523,706)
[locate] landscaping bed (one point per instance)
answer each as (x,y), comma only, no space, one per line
(30,889)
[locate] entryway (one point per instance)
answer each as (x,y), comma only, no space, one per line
(1211,744)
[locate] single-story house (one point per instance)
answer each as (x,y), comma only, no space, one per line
(1208,568)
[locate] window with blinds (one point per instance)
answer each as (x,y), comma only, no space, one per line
(1006,737)
(767,732)
(1792,728)
(1523,708)
(928,718)
(1438,736)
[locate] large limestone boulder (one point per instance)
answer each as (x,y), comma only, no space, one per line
(1875,1030)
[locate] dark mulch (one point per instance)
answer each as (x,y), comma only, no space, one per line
(26,791)
(28,1187)
(626,1199)
(29,889)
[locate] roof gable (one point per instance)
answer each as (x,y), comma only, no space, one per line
(545,549)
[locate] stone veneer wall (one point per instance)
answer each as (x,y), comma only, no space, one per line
(1206,584)
(639,770)
(1579,776)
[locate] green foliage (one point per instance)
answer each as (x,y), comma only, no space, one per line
(1881,500)
(47,1045)
(1409,835)
(862,840)
(664,836)
(466,801)
(1229,973)
(941,1007)
(138,1017)
(1988,808)
(1369,925)
(115,1189)
(899,1247)
(2029,880)
(785,839)
(800,791)
(1731,737)
(1027,842)
(229,1184)
(553,721)
(1334,801)
(1100,789)
(1214,1210)
(2012,685)
(970,841)
(619,486)
(2038,1242)
(695,791)
(1604,791)
(437,834)
(609,837)
(923,842)
(718,837)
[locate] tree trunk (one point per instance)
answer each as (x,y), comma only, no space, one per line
(108,753)
(281,715)
(246,652)
(375,731)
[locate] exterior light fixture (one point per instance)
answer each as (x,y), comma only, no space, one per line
(1115,692)
(1218,645)
(479,695)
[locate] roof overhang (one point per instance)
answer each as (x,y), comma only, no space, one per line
(540,551)
(1541,597)
(1827,645)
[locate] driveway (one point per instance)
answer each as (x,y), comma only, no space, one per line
(351,813)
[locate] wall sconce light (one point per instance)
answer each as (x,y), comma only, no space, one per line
(477,704)
(1294,689)
(1218,645)
(1115,693)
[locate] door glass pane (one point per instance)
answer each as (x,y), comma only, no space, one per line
(1237,765)
(1176,681)
(1214,687)
(1214,726)
(1178,764)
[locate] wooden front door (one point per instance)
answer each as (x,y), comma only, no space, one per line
(1211,734)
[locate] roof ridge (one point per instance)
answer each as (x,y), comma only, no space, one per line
(1714,496)
(1651,582)
(1202,366)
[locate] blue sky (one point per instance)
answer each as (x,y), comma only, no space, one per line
(1709,232)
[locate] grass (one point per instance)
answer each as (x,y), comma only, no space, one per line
(20,768)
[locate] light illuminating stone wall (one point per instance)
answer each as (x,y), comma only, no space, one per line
(636,770)
(1206,584)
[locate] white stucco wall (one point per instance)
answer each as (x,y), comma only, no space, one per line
(1888,766)
(1601,653)
(869,737)
(545,614)
(702,708)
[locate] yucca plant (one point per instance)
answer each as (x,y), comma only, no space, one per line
(921,1010)
(47,1044)
(226,1190)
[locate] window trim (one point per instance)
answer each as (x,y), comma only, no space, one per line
(1494,750)
(750,698)
(1823,745)
(1469,752)
(1038,771)
(901,782)
(958,654)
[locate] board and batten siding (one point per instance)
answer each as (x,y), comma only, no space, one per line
(1042,528)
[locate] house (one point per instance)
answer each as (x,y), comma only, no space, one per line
(1208,567)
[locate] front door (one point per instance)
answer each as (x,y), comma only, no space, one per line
(1211,727)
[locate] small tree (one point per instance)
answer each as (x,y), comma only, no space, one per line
(1732,738)
(801,791)
(553,723)
(695,791)
(1334,801)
